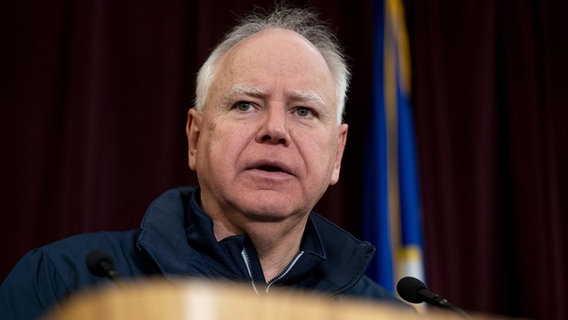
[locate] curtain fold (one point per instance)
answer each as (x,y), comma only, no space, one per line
(94,96)
(488,110)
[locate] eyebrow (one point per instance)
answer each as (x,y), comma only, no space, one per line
(244,90)
(307,96)
(295,94)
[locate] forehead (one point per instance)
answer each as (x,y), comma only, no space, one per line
(277,58)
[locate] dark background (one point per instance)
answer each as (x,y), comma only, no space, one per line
(94,97)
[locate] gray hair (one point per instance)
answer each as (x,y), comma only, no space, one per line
(302,21)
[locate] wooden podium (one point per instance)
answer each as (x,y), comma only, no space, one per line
(199,300)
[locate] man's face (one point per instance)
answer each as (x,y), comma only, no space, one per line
(267,144)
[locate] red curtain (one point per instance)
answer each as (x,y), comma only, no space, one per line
(489,89)
(94,96)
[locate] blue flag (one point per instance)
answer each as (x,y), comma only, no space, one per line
(391,202)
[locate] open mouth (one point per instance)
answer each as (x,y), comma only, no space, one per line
(269,168)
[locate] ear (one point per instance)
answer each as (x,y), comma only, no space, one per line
(342,140)
(192,130)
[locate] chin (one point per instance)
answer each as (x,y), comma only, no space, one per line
(270,205)
(268,213)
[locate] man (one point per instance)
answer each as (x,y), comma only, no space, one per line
(266,139)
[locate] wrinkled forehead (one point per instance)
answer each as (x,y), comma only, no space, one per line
(281,56)
(308,97)
(277,41)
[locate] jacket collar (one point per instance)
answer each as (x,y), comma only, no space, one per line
(162,233)
(175,224)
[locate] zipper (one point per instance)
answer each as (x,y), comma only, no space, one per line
(281,275)
(247,264)
(285,271)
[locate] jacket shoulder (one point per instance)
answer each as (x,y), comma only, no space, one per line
(347,261)
(45,275)
(346,257)
(368,289)
(341,246)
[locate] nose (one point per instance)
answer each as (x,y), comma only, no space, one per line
(274,128)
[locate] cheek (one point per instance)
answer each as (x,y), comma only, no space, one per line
(320,154)
(221,147)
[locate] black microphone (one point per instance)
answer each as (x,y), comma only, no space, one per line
(101,264)
(415,291)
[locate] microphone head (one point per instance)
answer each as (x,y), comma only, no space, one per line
(97,260)
(408,288)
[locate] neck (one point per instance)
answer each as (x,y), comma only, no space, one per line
(276,243)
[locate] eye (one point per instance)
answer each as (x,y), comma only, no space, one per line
(305,112)
(243,106)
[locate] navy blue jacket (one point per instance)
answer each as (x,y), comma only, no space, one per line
(176,238)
